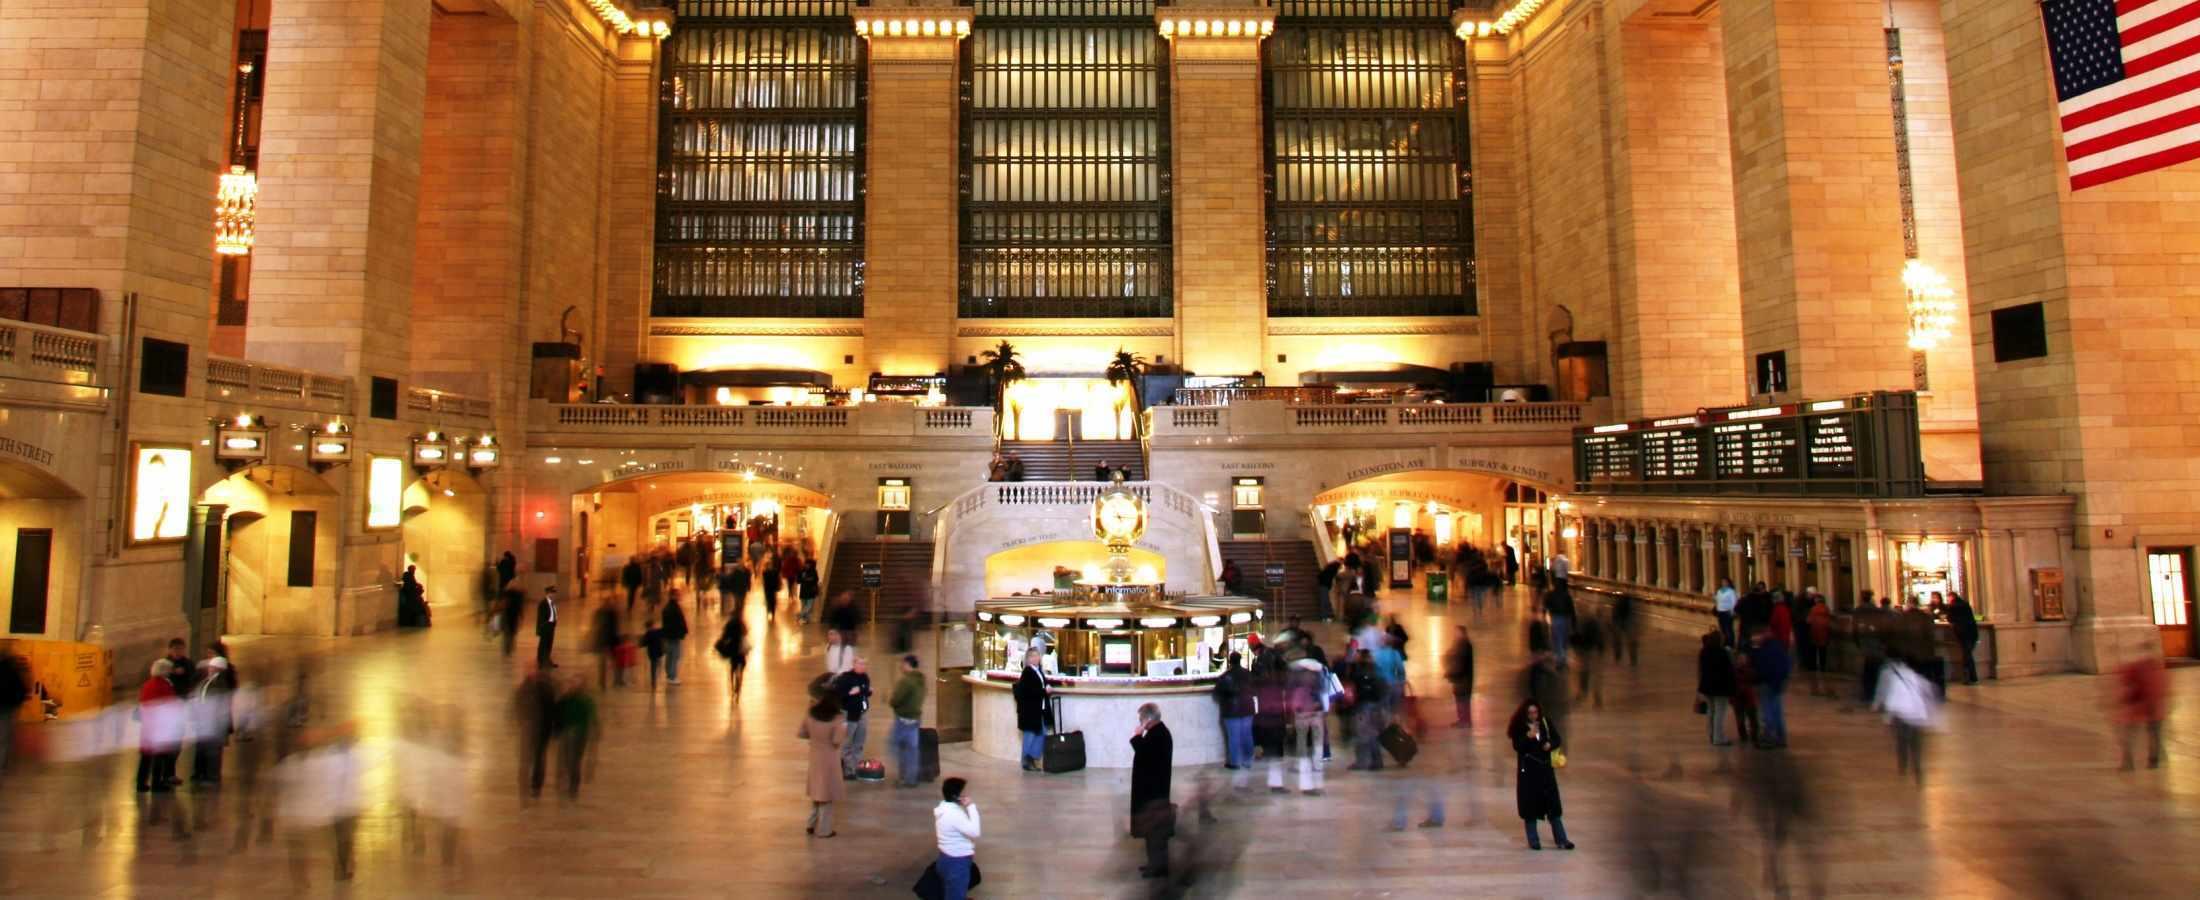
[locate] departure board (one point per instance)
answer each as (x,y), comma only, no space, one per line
(1865,445)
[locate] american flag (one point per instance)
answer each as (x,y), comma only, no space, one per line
(2127,75)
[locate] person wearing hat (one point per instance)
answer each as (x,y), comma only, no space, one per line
(546,627)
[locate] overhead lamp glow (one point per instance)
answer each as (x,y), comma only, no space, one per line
(1240,618)
(1206,621)
(234,204)
(1103,624)
(1053,622)
(1012,619)
(1158,622)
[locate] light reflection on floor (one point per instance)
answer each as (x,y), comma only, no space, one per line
(694,793)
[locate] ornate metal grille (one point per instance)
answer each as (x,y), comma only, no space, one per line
(760,187)
(1369,209)
(1065,148)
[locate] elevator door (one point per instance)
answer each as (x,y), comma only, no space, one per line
(33,568)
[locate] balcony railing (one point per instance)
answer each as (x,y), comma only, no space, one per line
(1282,417)
(435,402)
(867,419)
(1228,395)
(236,379)
(47,353)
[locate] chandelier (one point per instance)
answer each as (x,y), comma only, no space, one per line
(240,189)
(1932,305)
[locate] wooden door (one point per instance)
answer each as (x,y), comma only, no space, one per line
(2169,580)
(33,576)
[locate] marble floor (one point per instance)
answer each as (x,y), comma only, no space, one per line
(693,795)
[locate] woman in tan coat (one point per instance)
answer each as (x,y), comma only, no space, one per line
(826,729)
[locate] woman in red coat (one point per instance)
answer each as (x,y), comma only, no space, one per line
(160,730)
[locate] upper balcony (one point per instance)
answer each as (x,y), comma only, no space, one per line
(576,423)
(45,365)
(1268,417)
(281,387)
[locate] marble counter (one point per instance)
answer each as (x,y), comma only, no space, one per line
(1107,716)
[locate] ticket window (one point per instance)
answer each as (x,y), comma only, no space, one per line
(893,507)
(1248,508)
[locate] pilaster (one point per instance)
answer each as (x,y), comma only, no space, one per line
(1217,161)
(911,170)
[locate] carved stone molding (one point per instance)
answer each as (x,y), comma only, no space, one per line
(755,331)
(1373,328)
(1015,331)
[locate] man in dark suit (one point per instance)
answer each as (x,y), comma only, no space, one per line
(546,627)
(1152,816)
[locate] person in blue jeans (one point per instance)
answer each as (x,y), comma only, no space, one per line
(1031,705)
(1769,664)
(908,705)
(1559,603)
(1234,699)
(955,824)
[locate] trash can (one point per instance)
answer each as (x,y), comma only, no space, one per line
(1439,588)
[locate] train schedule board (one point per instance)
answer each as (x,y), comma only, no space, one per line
(1861,446)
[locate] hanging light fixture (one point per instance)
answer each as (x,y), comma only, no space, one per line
(1932,305)
(240,190)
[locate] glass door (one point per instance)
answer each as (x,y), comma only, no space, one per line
(2169,578)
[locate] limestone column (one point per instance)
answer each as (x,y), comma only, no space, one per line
(1818,220)
(1216,150)
(623,318)
(340,185)
(911,167)
(2102,275)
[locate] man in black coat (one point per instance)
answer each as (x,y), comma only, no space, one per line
(1964,622)
(1152,817)
(1031,715)
(630,578)
(546,627)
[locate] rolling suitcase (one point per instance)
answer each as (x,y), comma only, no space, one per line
(928,754)
(1065,750)
(1400,744)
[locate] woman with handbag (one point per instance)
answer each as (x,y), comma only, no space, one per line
(826,728)
(1542,753)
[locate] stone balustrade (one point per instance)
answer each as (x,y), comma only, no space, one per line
(46,353)
(239,380)
(887,419)
(1263,417)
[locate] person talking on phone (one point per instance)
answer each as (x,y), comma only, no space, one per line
(955,824)
(1535,740)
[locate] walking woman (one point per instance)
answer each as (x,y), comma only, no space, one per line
(1536,742)
(1715,684)
(826,729)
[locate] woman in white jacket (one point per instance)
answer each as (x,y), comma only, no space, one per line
(1912,707)
(955,822)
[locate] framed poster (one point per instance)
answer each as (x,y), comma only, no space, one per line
(160,493)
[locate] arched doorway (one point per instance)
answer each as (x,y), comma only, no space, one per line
(716,516)
(279,556)
(1436,512)
(446,537)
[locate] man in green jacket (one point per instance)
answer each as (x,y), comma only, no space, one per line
(908,703)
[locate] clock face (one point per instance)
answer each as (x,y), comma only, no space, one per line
(1119,517)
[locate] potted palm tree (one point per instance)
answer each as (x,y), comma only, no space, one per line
(1002,368)
(1129,367)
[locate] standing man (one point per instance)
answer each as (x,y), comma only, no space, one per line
(854,689)
(1964,622)
(1722,604)
(1559,603)
(675,632)
(1031,705)
(1152,816)
(546,627)
(908,704)
(1234,700)
(1512,564)
(630,578)
(1770,664)
(1459,670)
(1560,567)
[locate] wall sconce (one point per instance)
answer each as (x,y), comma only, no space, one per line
(329,445)
(431,451)
(240,441)
(484,454)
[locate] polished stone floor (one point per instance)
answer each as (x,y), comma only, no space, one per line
(693,795)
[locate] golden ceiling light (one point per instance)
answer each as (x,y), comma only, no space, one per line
(233,211)
(1932,305)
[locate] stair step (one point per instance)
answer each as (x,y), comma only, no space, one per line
(905,569)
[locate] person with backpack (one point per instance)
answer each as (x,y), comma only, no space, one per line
(806,585)
(733,646)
